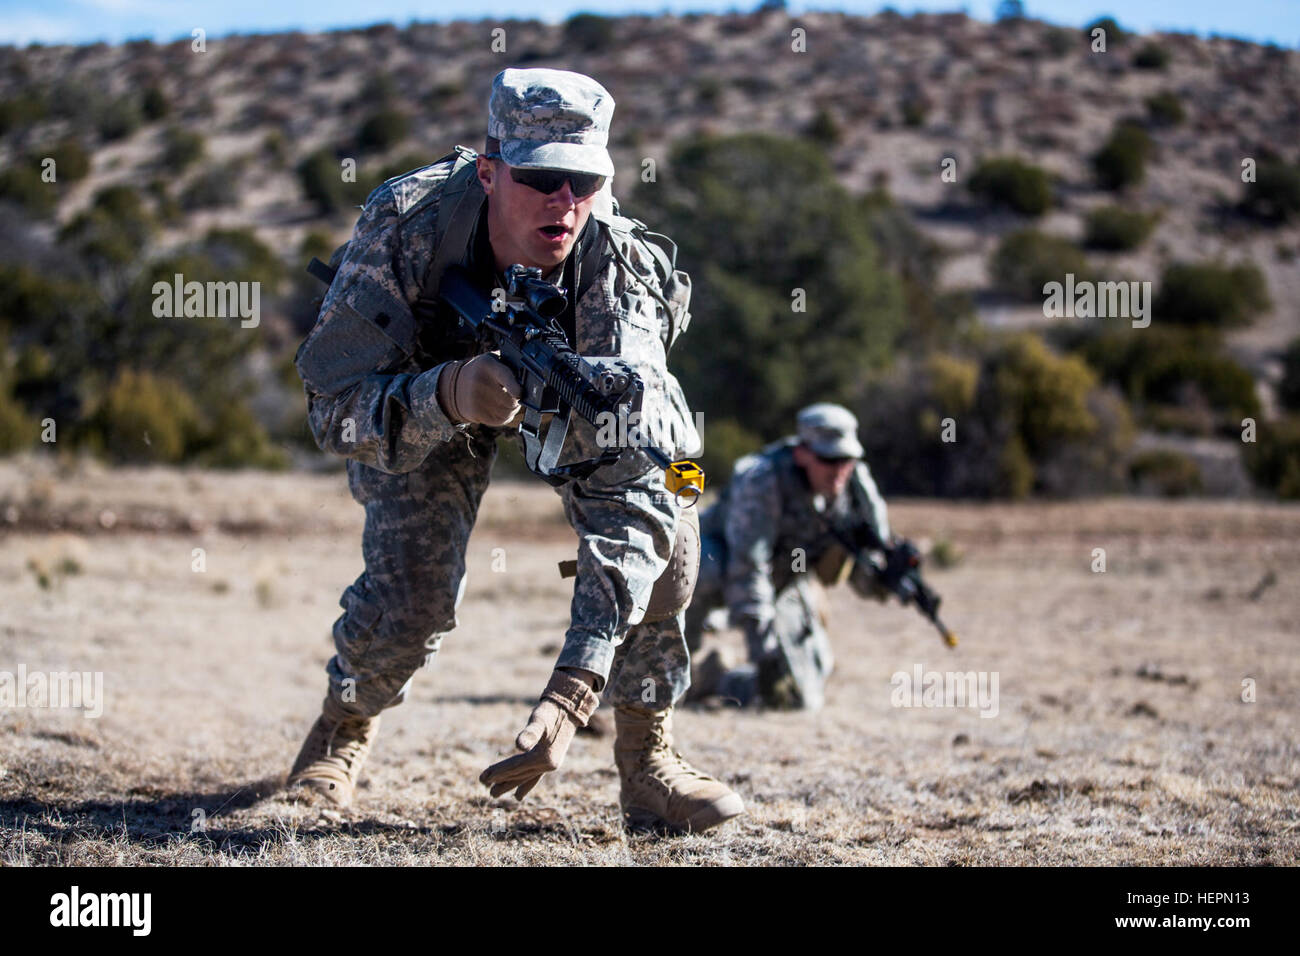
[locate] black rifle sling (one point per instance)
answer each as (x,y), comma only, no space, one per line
(460,203)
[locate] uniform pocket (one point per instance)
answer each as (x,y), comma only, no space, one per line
(639,310)
(343,348)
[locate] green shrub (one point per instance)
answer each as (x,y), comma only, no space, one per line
(1166,109)
(1027,260)
(21,111)
(1044,393)
(1117,228)
(904,247)
(823,128)
(71,161)
(1121,162)
(1273,459)
(708,92)
(1025,419)
(1014,184)
(725,441)
(322,180)
(317,243)
(238,255)
(588,33)
(1015,471)
(235,439)
(120,202)
(118,119)
(276,148)
(181,149)
(1032,407)
(24,293)
(110,234)
(213,188)
(934,315)
(33,364)
(1165,472)
(143,418)
(1059,41)
(22,184)
(154,104)
(18,429)
(1156,367)
(1151,56)
(952,383)
(77,363)
(915,110)
(1203,293)
(166,208)
(759,351)
(383,130)
(379,88)
(1275,193)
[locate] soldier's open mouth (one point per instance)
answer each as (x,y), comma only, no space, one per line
(554,233)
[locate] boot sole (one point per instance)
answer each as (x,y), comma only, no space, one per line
(720,811)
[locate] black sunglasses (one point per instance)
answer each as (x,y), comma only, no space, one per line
(547,181)
(834,461)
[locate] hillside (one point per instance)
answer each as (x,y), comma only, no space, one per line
(218,138)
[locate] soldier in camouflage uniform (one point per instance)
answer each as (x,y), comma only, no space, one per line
(417,412)
(772,526)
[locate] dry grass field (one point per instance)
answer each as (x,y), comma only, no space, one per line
(1121,735)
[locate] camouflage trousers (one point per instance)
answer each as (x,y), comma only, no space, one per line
(396,613)
(804,650)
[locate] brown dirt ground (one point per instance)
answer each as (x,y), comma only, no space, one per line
(1120,738)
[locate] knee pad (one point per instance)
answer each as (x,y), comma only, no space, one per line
(672,592)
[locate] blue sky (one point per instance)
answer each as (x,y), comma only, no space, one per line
(78,21)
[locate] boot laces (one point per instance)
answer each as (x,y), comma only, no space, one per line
(665,764)
(353,732)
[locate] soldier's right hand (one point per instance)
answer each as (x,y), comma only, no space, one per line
(566,704)
(481,390)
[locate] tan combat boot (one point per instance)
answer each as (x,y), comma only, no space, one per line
(332,756)
(659,788)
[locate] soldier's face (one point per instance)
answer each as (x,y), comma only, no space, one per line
(527,226)
(827,476)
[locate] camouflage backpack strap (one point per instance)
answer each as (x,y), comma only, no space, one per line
(459,205)
(672,289)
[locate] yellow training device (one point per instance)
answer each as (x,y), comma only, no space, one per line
(685,480)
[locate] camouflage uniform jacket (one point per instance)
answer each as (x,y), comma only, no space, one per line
(372,394)
(768,511)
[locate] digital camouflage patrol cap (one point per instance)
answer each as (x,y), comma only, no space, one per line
(551,119)
(830,431)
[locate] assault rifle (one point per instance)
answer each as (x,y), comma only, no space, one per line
(556,379)
(900,574)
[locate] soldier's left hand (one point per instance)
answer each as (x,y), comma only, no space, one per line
(566,704)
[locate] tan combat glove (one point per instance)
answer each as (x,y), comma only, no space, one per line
(482,390)
(566,704)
